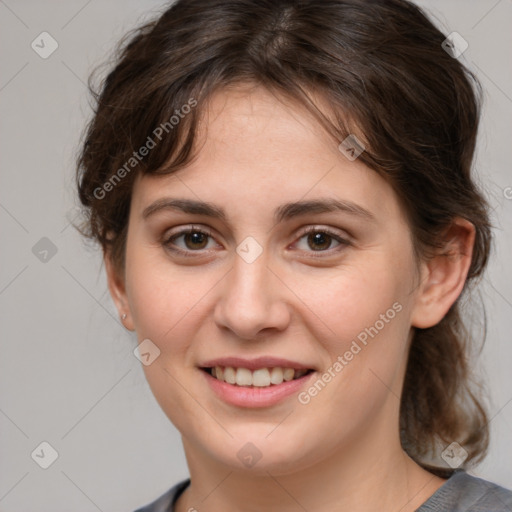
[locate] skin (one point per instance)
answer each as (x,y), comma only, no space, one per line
(341,451)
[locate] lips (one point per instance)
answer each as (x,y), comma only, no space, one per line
(260,372)
(258,382)
(261,377)
(255,364)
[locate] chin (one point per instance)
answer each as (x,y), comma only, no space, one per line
(253,450)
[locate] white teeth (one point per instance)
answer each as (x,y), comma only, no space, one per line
(229,375)
(262,377)
(276,375)
(243,377)
(288,374)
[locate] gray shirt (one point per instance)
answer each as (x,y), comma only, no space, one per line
(460,493)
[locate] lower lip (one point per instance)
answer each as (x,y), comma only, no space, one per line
(245,396)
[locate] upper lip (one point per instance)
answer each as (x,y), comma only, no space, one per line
(255,364)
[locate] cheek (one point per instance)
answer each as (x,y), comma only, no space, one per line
(347,302)
(165,304)
(161,295)
(361,317)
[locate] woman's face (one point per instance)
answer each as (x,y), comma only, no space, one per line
(271,250)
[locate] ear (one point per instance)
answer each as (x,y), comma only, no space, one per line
(116,286)
(444,275)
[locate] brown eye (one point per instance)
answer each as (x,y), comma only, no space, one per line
(319,241)
(195,240)
(189,240)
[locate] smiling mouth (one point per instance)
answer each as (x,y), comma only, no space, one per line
(261,378)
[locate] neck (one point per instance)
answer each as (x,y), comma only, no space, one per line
(374,475)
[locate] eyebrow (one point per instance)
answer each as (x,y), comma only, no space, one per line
(185,205)
(284,212)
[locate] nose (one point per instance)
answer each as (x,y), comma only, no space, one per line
(252,300)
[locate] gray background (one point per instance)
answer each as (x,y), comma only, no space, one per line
(67,372)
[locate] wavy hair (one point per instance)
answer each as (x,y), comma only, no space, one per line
(380,67)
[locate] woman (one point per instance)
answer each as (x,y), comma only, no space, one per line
(284,197)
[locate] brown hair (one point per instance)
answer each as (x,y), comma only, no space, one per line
(380,66)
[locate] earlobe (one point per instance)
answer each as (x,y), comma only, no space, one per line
(444,275)
(116,286)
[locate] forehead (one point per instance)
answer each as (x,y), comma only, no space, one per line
(256,149)
(246,117)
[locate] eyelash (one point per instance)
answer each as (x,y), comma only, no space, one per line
(343,242)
